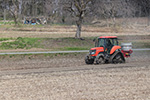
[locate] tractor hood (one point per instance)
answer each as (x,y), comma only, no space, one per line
(97,48)
(95,51)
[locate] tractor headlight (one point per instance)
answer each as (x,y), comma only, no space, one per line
(92,52)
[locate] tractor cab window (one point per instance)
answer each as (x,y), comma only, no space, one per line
(101,42)
(112,41)
(115,42)
(109,43)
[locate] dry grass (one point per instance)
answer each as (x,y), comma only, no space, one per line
(69,31)
(125,26)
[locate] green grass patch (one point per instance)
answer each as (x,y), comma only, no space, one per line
(21,43)
(59,44)
(67,43)
(55,44)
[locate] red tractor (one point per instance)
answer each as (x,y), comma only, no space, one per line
(107,50)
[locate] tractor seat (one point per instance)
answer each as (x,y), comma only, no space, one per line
(109,49)
(109,46)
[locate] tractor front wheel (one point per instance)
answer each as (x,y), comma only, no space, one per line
(88,60)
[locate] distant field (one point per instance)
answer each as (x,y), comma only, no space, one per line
(61,37)
(59,31)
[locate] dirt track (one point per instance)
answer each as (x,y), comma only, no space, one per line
(70,79)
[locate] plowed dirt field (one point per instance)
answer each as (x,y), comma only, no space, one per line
(69,78)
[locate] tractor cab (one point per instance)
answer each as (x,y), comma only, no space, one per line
(107,42)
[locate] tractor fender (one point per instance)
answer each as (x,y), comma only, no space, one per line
(117,52)
(100,55)
(114,48)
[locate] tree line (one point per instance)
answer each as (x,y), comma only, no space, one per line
(74,11)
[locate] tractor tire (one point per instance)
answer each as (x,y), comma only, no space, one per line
(116,58)
(100,59)
(88,60)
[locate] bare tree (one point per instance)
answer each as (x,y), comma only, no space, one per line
(81,10)
(112,9)
(14,10)
(52,9)
(55,11)
(78,9)
(145,8)
(12,6)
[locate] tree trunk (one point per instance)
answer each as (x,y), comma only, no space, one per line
(79,26)
(114,22)
(107,22)
(15,20)
(4,15)
(14,14)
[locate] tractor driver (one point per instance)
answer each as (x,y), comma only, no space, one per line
(109,45)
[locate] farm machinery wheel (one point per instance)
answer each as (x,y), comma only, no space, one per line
(117,58)
(88,60)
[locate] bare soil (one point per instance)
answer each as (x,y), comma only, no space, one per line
(69,78)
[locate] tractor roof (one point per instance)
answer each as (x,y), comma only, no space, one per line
(108,37)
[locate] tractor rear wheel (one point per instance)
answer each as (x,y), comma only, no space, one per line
(117,58)
(88,60)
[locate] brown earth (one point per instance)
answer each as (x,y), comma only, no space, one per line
(69,78)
